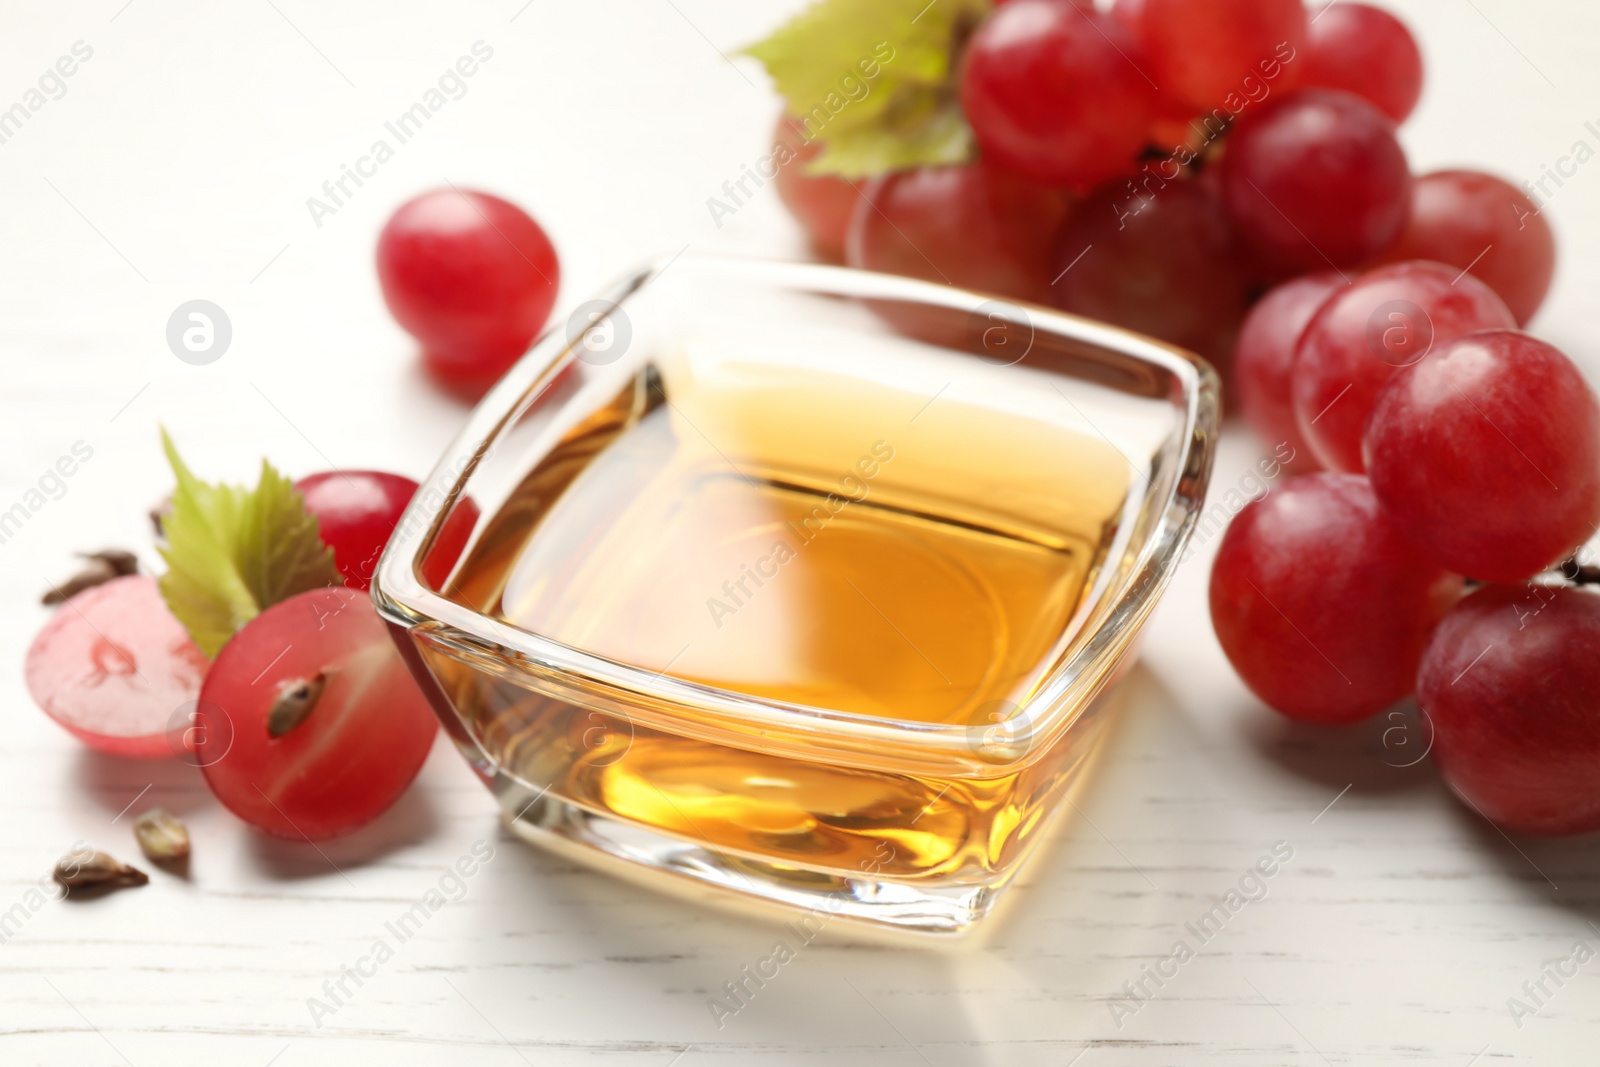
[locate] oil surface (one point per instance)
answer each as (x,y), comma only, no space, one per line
(729,538)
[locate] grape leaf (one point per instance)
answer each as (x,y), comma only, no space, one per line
(232,552)
(874,81)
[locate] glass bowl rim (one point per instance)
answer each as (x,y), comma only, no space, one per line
(402,598)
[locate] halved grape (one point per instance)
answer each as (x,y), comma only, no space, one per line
(1365,333)
(1487,455)
(116,669)
(1509,683)
(363,740)
(1320,604)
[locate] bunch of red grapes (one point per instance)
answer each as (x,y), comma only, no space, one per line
(1225,175)
(1458,451)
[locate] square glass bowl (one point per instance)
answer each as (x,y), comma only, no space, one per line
(800,583)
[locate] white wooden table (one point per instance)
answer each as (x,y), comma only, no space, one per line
(177,165)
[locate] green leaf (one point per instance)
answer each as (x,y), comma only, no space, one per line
(232,552)
(874,81)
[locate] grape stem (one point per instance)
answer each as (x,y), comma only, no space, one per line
(1580,574)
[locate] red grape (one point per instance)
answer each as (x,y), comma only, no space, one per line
(1055,92)
(357,511)
(1320,604)
(1317,179)
(115,667)
(974,226)
(1175,122)
(1164,265)
(352,755)
(1388,319)
(1200,51)
(1509,683)
(1366,51)
(1130,14)
(1473,220)
(1264,358)
(1487,455)
(472,278)
(822,203)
